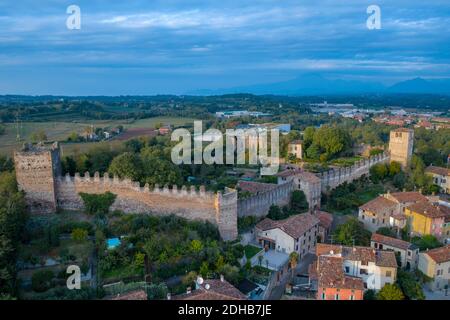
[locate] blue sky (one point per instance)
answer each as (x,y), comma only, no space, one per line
(176,46)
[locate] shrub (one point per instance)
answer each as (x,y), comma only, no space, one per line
(79,235)
(41,281)
(98,204)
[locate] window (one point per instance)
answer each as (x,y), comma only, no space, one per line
(409,253)
(336,297)
(352,297)
(323,296)
(388,274)
(363,271)
(439,273)
(347,269)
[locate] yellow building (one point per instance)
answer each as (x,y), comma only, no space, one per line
(436,265)
(425,218)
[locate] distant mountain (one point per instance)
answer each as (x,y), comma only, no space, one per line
(315,84)
(419,85)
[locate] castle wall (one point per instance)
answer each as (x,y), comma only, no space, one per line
(131,198)
(335,177)
(258,205)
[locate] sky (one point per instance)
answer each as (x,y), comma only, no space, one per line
(138,47)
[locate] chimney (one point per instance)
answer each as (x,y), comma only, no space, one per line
(222,279)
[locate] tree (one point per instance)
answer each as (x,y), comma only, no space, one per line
(308,136)
(98,204)
(79,235)
(378,172)
(386,231)
(293,261)
(204,269)
(196,246)
(157,291)
(41,281)
(394,168)
(426,242)
(275,213)
(127,165)
(157,170)
(370,295)
(298,201)
(352,232)
(38,136)
(390,292)
(409,285)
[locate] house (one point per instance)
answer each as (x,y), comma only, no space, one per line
(376,213)
(441,177)
(436,265)
(212,289)
(388,210)
(426,218)
(408,253)
(297,233)
(164,130)
(307,182)
(375,267)
(325,224)
(327,273)
(295,148)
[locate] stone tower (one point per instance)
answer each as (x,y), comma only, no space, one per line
(401,145)
(37,167)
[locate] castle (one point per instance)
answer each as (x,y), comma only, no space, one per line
(38,173)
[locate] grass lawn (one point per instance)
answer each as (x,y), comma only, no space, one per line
(251,251)
(345,162)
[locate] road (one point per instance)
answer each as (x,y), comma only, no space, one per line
(302,268)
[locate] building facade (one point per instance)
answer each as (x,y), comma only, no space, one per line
(295,234)
(441,177)
(295,148)
(407,253)
(436,265)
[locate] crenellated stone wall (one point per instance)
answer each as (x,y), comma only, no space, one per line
(258,205)
(335,177)
(184,202)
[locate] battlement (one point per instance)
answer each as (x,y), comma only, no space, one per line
(116,182)
(335,177)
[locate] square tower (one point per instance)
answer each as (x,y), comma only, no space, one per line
(401,143)
(37,168)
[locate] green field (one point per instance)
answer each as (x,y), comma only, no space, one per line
(60,130)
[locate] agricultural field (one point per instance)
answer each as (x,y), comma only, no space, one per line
(60,130)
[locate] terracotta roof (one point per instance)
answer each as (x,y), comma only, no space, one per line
(325,219)
(295,226)
(132,295)
(330,274)
(439,255)
(438,170)
(378,204)
(289,172)
(411,196)
(213,290)
(398,216)
(364,254)
(323,248)
(389,241)
(303,175)
(255,187)
(430,210)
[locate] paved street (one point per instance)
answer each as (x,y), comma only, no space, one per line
(302,268)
